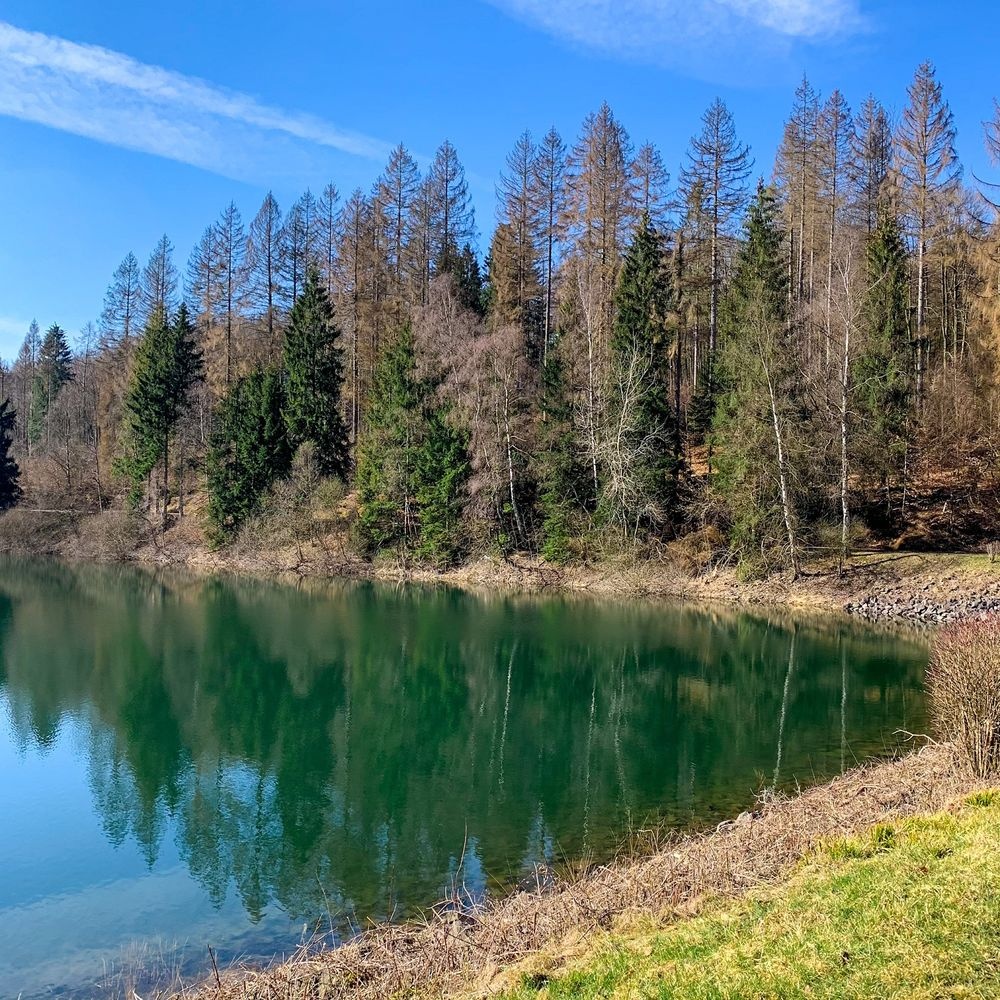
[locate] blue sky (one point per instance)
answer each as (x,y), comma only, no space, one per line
(122,120)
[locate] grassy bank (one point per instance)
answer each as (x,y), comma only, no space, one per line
(906,909)
(522,944)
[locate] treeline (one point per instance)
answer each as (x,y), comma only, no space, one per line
(773,365)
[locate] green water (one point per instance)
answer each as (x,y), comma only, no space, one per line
(189,761)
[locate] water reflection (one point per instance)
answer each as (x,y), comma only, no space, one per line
(351,750)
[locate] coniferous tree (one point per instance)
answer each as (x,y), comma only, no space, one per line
(167,365)
(315,369)
(120,317)
(562,479)
(386,459)
(549,197)
(158,284)
(441,470)
(452,217)
(718,164)
(249,450)
(640,462)
(756,424)
(412,464)
(264,256)
(10,473)
(883,368)
(53,370)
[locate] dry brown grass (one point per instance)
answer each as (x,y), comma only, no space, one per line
(454,951)
(963,682)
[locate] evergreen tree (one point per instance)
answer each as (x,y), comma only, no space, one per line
(441,470)
(315,370)
(387,451)
(882,373)
(249,450)
(757,423)
(412,464)
(641,462)
(10,474)
(167,365)
(562,479)
(53,370)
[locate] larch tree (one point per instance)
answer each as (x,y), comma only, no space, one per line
(330,218)
(715,177)
(300,245)
(600,212)
(352,264)
(720,164)
(871,163)
(518,209)
(264,267)
(651,185)
(834,157)
(231,249)
(796,176)
(928,174)
(159,283)
(121,316)
(452,218)
(549,199)
(396,190)
(25,368)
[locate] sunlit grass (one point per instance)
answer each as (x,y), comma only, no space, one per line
(909,909)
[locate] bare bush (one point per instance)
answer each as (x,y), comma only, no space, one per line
(964,687)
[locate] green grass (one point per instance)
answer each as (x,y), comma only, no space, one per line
(909,909)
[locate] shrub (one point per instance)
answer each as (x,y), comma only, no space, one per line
(964,687)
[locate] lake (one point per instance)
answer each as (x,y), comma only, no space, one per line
(191,761)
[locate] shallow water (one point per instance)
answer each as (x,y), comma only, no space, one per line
(191,761)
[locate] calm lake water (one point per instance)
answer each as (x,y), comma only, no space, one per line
(189,761)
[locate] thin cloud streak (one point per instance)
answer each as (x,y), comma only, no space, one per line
(726,40)
(107,96)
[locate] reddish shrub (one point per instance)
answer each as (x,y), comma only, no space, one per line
(964,687)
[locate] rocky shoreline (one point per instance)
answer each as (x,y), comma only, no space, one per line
(927,607)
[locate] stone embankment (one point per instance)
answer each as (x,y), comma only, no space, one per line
(928,606)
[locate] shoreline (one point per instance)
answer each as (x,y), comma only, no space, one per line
(539,931)
(916,588)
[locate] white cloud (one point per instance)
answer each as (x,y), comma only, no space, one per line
(110,97)
(709,38)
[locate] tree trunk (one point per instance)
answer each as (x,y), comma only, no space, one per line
(786,499)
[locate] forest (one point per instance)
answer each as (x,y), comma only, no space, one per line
(742,364)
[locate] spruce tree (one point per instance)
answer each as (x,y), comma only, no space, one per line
(758,421)
(52,371)
(441,470)
(562,479)
(249,450)
(641,465)
(167,365)
(315,368)
(387,451)
(883,369)
(10,474)
(412,464)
